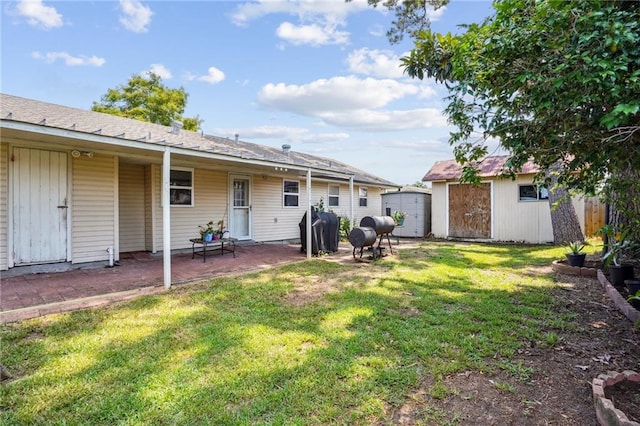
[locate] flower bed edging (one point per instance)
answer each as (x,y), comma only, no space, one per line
(581,271)
(625,307)
(606,413)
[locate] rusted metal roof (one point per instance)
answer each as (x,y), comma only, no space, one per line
(492,166)
(17,109)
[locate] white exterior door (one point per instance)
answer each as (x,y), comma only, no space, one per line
(240,214)
(40,206)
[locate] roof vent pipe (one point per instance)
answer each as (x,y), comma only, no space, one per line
(237,136)
(286,148)
(176,126)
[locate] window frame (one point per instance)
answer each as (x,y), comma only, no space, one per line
(542,193)
(331,196)
(190,188)
(362,198)
(286,194)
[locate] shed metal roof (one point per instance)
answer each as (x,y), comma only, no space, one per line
(489,167)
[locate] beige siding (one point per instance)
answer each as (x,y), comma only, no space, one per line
(93,210)
(439,209)
(4,206)
(150,207)
(210,204)
(131,207)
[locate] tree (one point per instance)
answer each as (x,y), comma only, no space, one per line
(556,82)
(147,99)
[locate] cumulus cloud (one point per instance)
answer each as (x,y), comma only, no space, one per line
(39,15)
(69,60)
(247,12)
(213,76)
(335,94)
(314,34)
(161,70)
(135,16)
(377,63)
(381,120)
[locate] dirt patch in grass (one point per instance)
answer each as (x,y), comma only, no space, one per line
(558,389)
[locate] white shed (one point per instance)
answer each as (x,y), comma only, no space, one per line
(416,202)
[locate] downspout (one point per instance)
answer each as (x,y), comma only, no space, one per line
(351,218)
(166,218)
(308,214)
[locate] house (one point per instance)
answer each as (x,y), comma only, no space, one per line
(499,209)
(78,186)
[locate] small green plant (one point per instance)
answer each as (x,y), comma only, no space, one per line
(320,206)
(617,243)
(576,247)
(398,216)
(206,229)
(345,227)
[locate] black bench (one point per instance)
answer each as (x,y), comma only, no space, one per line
(222,246)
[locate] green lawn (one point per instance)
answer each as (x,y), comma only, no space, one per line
(312,343)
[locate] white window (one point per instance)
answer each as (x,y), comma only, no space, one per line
(291,193)
(334,195)
(532,193)
(181,187)
(362,195)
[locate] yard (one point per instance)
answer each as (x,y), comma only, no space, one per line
(448,333)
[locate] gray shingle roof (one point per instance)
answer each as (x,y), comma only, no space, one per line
(17,109)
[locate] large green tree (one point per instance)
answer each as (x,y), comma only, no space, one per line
(557,82)
(147,98)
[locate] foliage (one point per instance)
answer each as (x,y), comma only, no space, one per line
(345,228)
(617,244)
(555,82)
(320,206)
(249,350)
(147,99)
(206,229)
(412,16)
(398,216)
(576,247)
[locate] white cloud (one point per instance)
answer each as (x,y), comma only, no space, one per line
(335,94)
(136,17)
(377,63)
(246,12)
(161,70)
(70,60)
(314,34)
(38,14)
(280,133)
(380,120)
(214,76)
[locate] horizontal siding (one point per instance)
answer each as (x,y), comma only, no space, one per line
(4,206)
(131,207)
(210,204)
(94,201)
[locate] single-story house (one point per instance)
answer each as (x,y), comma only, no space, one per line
(79,186)
(499,209)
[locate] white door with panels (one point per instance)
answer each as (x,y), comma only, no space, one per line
(40,206)
(240,214)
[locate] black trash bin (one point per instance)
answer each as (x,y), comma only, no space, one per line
(325,229)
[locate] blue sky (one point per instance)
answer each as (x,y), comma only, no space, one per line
(318,75)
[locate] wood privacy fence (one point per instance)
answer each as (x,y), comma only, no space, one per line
(594,216)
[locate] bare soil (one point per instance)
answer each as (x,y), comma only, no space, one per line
(559,390)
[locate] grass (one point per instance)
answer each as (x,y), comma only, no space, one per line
(263,349)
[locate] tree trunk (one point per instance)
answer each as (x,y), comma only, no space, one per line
(564,220)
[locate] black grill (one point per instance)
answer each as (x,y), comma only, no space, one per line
(372,229)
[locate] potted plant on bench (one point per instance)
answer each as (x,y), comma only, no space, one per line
(206,232)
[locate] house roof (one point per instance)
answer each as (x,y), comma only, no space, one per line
(53,116)
(489,167)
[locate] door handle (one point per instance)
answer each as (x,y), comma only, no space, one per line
(63,207)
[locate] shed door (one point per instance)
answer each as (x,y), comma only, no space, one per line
(470,211)
(39,191)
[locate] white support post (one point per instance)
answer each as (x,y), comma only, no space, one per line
(308,214)
(351,197)
(166,218)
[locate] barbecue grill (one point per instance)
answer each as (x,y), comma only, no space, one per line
(372,229)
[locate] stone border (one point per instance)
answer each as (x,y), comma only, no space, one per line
(625,307)
(606,412)
(580,271)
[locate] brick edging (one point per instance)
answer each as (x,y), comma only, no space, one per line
(581,271)
(606,412)
(625,307)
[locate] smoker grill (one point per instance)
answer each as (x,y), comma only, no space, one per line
(372,229)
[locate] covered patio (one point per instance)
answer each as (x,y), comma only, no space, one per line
(30,295)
